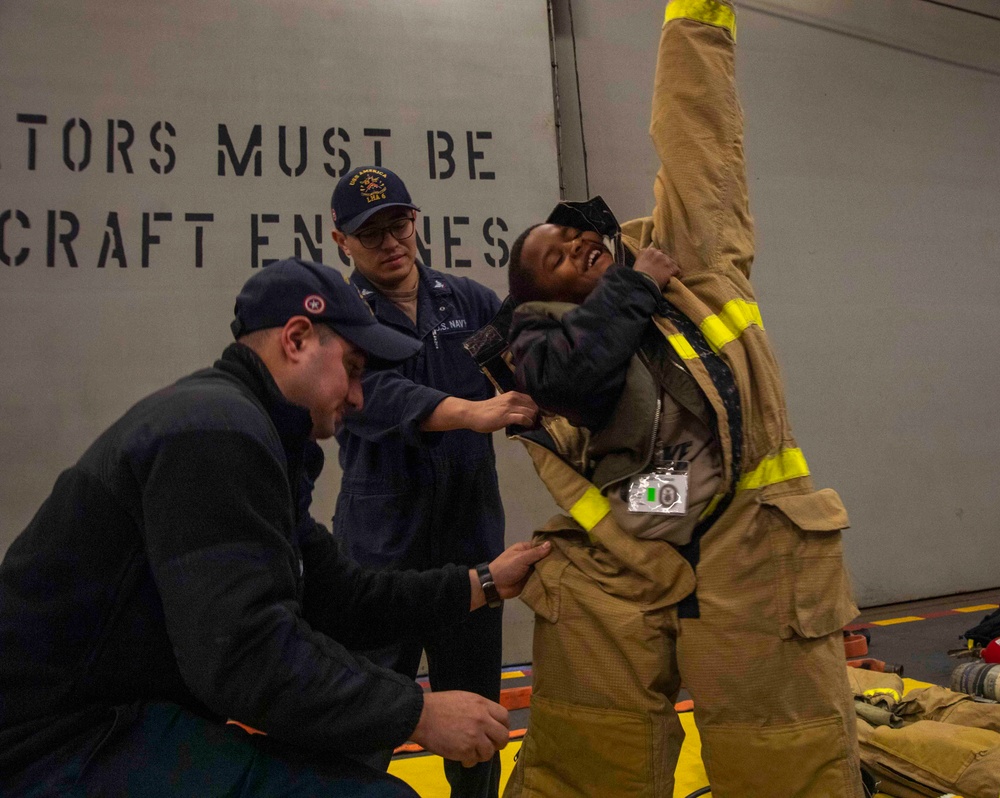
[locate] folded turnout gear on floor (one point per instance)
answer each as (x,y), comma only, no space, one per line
(928,742)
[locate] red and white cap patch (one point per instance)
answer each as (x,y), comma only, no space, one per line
(314,304)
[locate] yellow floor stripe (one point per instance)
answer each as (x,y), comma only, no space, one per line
(978,608)
(425,774)
(690,773)
(891,621)
(512,675)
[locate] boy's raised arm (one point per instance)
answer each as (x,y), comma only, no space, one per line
(702,214)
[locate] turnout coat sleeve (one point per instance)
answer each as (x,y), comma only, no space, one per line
(573,363)
(702,213)
(219,522)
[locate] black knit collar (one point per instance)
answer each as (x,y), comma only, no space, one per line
(293,422)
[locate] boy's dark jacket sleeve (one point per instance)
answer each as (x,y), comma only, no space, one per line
(572,359)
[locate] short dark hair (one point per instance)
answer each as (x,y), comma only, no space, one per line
(325,332)
(521,284)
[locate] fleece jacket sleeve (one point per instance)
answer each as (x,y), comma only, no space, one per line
(218,516)
(364,609)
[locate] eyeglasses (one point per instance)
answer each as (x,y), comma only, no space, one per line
(372,237)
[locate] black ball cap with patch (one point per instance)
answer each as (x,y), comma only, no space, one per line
(296,287)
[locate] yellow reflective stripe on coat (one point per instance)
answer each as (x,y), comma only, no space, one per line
(787,464)
(590,508)
(711,12)
(682,347)
(727,325)
(874,691)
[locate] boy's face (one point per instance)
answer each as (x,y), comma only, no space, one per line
(566,263)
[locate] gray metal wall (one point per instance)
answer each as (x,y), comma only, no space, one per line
(455,96)
(872,136)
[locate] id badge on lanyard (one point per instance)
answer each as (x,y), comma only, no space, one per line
(663,490)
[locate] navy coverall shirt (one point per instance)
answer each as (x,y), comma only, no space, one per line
(410,498)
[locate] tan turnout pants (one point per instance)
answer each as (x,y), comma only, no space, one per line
(764,664)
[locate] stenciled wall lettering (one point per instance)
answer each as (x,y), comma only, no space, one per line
(105,236)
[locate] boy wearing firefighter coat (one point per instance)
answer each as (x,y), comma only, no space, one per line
(695,549)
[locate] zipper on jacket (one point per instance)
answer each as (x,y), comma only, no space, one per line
(652,444)
(653,435)
(434,335)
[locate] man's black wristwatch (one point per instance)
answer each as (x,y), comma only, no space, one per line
(489,587)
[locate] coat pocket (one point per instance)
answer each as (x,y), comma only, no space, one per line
(541,592)
(813,593)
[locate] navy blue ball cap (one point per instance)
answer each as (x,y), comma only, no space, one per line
(297,287)
(364,191)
